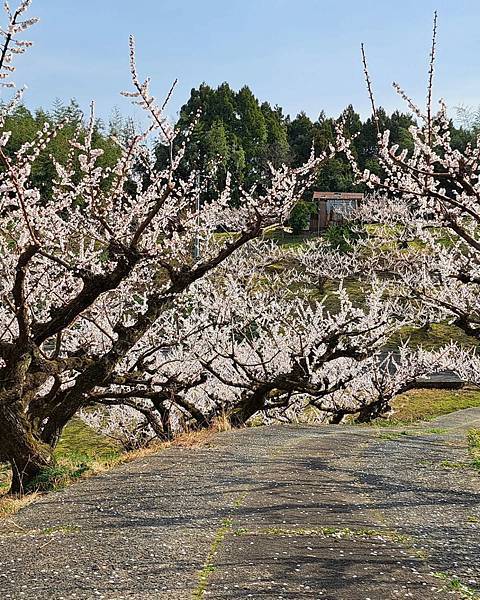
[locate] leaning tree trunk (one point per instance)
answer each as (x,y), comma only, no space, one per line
(372,411)
(20,447)
(250,404)
(336,418)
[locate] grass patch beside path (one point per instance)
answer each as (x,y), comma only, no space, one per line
(80,453)
(80,440)
(473,438)
(80,450)
(424,405)
(83,453)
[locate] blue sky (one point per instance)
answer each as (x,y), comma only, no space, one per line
(301,54)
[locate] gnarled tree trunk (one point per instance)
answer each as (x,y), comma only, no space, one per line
(370,412)
(19,446)
(250,404)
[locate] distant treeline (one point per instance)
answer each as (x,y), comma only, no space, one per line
(247,134)
(241,136)
(24,125)
(234,132)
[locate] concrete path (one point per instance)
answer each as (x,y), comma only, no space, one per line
(266,513)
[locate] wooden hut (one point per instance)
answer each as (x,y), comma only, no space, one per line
(332,207)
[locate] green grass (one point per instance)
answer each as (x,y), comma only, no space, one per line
(340,533)
(473,438)
(450,464)
(472,519)
(424,405)
(391,435)
(81,451)
(436,430)
(80,441)
(209,566)
(435,336)
(4,478)
(63,529)
(453,584)
(288,240)
(357,291)
(431,337)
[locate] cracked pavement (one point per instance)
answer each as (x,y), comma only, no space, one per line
(281,512)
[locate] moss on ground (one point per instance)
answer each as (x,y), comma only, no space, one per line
(340,533)
(209,566)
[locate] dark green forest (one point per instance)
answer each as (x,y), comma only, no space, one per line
(234,133)
(241,135)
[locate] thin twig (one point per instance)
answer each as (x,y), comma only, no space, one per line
(370,89)
(431,70)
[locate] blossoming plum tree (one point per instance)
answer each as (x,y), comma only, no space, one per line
(85,276)
(424,218)
(122,299)
(254,340)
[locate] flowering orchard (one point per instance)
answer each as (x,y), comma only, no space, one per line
(254,339)
(106,303)
(87,276)
(125,301)
(424,219)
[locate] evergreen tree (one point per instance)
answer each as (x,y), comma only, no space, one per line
(300,136)
(252,130)
(277,149)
